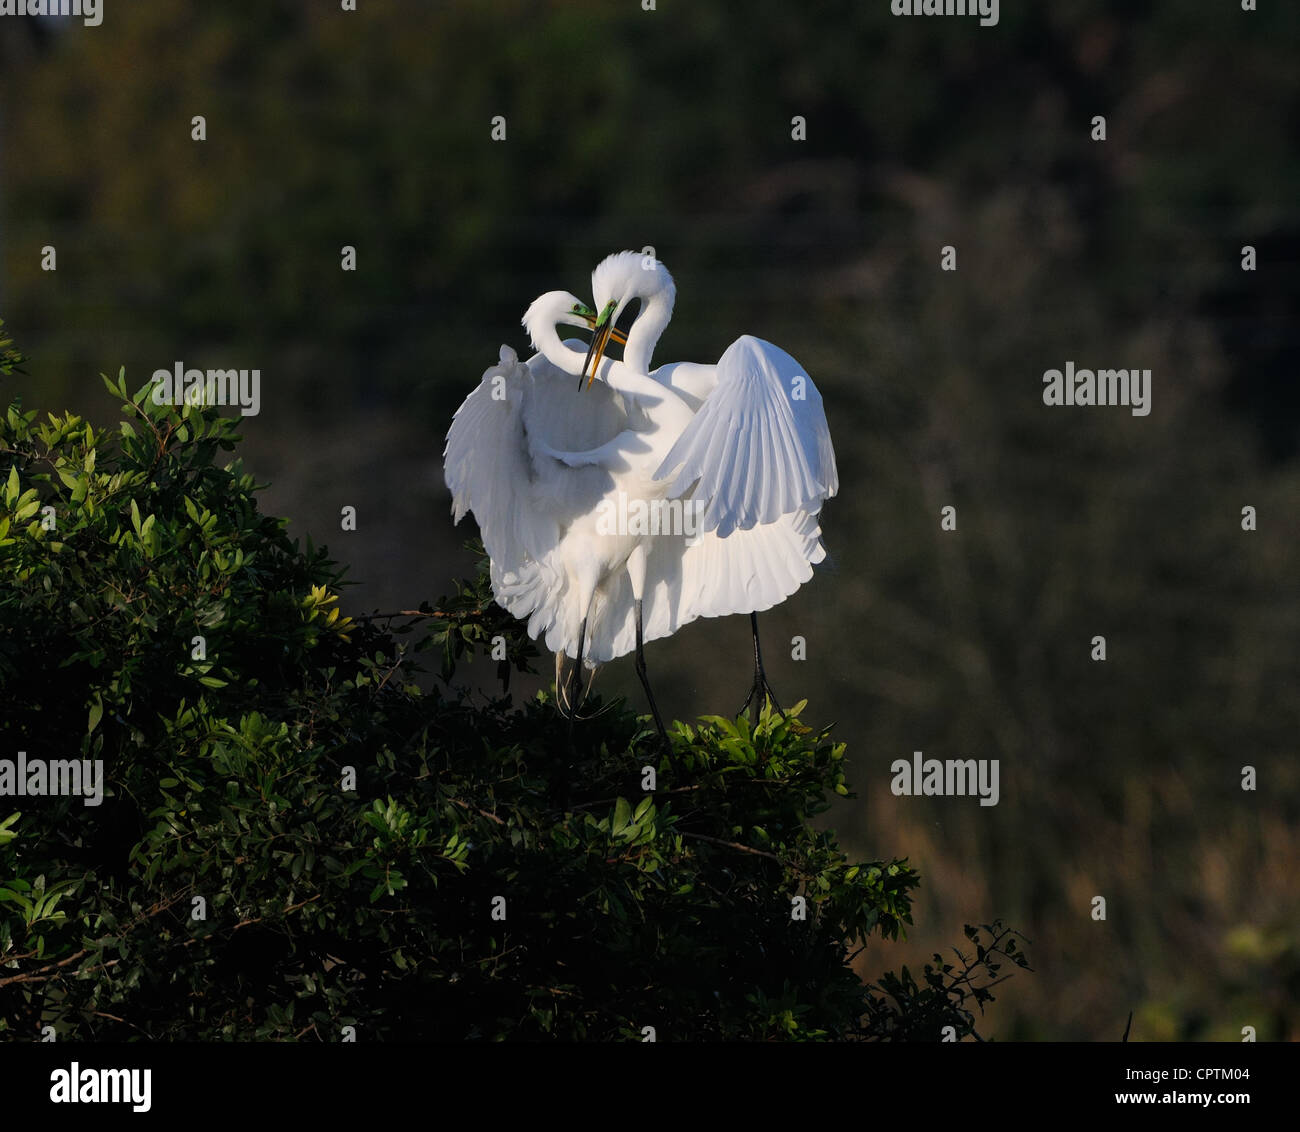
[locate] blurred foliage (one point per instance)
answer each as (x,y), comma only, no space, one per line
(672,128)
(10,359)
(296,839)
(624,127)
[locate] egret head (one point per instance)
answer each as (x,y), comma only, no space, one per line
(616,281)
(556,307)
(553,308)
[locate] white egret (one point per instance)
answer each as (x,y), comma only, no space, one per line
(553,558)
(544,466)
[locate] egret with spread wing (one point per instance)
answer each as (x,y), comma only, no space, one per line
(545,467)
(558,556)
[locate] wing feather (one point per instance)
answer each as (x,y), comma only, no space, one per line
(759,447)
(522,499)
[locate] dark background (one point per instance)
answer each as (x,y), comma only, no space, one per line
(672,128)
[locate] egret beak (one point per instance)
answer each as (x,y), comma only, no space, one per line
(602,330)
(589,316)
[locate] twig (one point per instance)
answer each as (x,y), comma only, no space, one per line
(477,810)
(746,849)
(416,613)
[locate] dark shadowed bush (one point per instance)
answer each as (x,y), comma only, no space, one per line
(296,836)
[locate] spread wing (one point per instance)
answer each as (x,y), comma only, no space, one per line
(759,447)
(521,498)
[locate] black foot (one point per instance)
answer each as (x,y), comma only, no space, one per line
(570,698)
(569,694)
(758,694)
(754,701)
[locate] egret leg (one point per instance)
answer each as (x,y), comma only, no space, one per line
(568,680)
(754,701)
(636,571)
(573,685)
(569,708)
(645,680)
(649,695)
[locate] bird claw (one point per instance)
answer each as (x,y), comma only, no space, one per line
(570,695)
(760,684)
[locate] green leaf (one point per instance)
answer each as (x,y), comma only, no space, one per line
(622,815)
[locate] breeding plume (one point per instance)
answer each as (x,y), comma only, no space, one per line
(618,509)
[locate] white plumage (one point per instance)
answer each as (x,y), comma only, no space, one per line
(759,447)
(539,461)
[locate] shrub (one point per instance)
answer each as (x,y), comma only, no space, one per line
(297,835)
